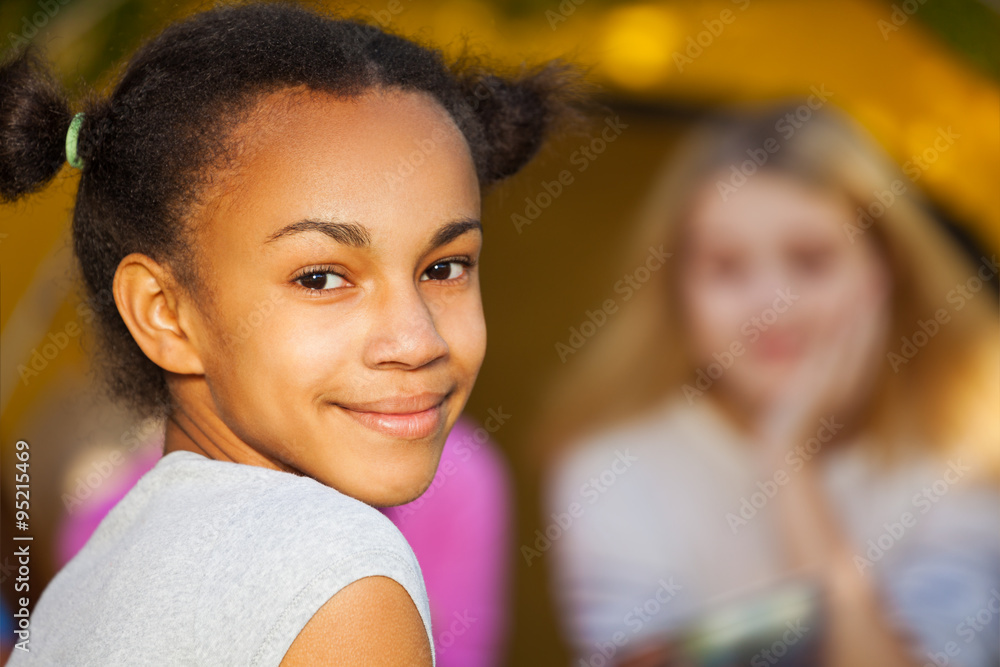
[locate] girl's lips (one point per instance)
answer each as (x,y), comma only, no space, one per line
(406,425)
(777,348)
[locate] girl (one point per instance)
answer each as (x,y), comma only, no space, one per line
(806,398)
(277,226)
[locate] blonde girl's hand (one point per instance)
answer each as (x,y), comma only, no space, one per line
(830,383)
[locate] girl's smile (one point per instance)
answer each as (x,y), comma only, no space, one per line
(407,417)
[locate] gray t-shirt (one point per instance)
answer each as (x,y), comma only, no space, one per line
(214,563)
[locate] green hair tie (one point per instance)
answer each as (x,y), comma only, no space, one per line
(71,137)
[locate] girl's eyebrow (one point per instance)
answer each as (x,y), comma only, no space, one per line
(347,233)
(357,236)
(453,230)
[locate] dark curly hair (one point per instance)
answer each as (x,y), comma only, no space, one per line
(150,148)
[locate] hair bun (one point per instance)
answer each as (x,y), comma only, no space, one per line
(519,113)
(34,117)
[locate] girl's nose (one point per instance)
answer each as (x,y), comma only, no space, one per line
(403,332)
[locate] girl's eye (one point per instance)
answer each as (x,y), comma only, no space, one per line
(449,270)
(726,267)
(814,262)
(321,280)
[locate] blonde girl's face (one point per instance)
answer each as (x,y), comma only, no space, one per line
(344,329)
(766,274)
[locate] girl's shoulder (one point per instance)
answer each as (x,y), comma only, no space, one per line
(276,523)
(210,501)
(222,561)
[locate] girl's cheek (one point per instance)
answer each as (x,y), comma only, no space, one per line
(837,297)
(459,316)
(714,320)
(825,305)
(465,335)
(275,343)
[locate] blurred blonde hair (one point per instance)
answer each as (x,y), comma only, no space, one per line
(944,398)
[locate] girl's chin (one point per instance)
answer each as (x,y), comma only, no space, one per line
(761,388)
(394,484)
(393,497)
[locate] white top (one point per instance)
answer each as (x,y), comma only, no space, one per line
(209,562)
(660,515)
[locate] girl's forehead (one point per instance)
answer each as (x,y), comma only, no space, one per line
(304,121)
(766,206)
(376,158)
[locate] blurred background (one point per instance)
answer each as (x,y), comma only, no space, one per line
(905,73)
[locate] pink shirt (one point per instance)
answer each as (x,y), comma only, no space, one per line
(459,529)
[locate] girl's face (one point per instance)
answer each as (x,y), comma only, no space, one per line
(766,275)
(342,328)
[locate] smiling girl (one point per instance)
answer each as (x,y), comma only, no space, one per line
(277,226)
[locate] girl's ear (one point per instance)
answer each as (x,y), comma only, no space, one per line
(149,302)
